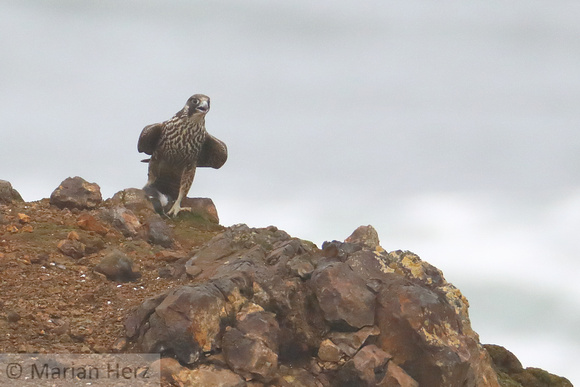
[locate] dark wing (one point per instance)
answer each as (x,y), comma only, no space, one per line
(149,138)
(214,153)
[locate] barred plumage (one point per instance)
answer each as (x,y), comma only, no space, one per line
(177,147)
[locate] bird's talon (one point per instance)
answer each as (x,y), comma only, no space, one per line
(175,211)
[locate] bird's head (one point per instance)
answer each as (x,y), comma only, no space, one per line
(197,105)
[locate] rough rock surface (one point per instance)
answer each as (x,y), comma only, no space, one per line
(237,306)
(511,372)
(343,296)
(76,192)
(209,375)
(360,310)
(8,195)
(132,199)
(117,266)
(123,220)
(159,232)
(202,207)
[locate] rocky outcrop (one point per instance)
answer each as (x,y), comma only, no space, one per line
(235,306)
(362,316)
(128,212)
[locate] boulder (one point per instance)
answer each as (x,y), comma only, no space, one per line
(260,325)
(75,192)
(158,231)
(185,324)
(251,349)
(504,360)
(511,372)
(249,356)
(330,352)
(425,335)
(123,220)
(365,236)
(77,246)
(8,195)
(71,248)
(343,296)
(88,222)
(202,207)
(117,266)
(133,199)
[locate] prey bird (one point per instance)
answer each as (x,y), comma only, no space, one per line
(177,147)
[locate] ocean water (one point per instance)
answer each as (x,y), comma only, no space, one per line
(451,127)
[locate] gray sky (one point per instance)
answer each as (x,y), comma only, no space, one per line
(460,96)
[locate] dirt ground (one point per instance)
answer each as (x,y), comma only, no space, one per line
(52,303)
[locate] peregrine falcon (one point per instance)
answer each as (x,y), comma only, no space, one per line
(177,147)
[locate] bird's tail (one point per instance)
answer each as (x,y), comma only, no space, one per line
(163,190)
(159,200)
(167,183)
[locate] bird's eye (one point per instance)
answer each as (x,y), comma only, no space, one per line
(194,101)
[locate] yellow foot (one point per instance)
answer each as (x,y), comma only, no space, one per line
(176,209)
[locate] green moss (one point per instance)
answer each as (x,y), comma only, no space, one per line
(44,233)
(535,377)
(192,230)
(187,219)
(310,246)
(506,381)
(141,248)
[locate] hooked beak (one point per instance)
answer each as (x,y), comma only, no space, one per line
(203,107)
